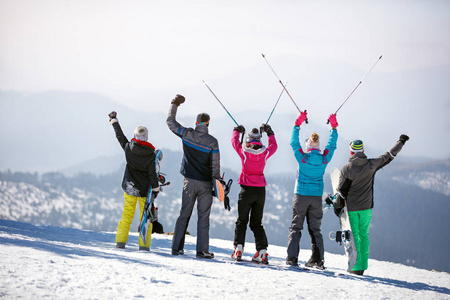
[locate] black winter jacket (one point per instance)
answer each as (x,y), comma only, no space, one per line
(357,177)
(201,156)
(140,171)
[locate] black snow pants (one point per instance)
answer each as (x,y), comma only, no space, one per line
(251,207)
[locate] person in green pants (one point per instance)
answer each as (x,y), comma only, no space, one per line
(355,190)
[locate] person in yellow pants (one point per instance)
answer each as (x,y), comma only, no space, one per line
(123,229)
(140,175)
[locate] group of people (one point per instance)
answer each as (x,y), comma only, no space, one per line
(201,165)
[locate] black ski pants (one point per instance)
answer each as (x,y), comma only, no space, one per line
(311,208)
(251,207)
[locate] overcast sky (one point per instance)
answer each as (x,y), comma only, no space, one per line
(142,52)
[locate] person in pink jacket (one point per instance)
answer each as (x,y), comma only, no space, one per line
(252,196)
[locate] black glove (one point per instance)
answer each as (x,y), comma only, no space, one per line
(226,203)
(266,128)
(112,115)
(239,129)
(403,138)
(339,205)
(178,100)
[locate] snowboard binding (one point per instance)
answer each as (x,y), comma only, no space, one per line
(340,236)
(330,199)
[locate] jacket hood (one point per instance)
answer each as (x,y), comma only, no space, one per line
(358,159)
(254,154)
(141,148)
(201,128)
(314,157)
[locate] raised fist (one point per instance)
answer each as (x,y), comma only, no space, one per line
(112,115)
(333,121)
(267,129)
(303,116)
(403,138)
(178,100)
(239,129)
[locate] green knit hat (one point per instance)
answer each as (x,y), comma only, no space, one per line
(357,146)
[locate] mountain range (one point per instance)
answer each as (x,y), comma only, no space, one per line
(60,164)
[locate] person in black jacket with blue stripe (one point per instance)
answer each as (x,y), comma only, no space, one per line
(199,166)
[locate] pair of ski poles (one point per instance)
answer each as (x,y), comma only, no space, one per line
(287,92)
(282,91)
(229,112)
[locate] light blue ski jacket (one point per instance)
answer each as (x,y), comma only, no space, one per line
(311,165)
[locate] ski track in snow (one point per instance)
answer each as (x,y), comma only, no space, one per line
(65,263)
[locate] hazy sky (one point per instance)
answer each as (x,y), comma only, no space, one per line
(141,53)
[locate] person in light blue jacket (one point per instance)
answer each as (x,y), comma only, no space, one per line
(308,192)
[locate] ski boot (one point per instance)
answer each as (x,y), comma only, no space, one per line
(142,248)
(261,257)
(120,245)
(237,254)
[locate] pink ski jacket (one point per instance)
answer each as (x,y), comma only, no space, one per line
(253,161)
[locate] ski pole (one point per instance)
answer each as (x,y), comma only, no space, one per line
(284,87)
(359,83)
(275,105)
(221,103)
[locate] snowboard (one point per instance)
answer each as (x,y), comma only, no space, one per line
(345,235)
(150,212)
(148,216)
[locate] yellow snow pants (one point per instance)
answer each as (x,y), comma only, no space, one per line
(129,209)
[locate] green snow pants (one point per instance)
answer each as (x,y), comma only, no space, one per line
(360,223)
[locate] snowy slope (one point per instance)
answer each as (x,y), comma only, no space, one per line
(64,263)
(92,202)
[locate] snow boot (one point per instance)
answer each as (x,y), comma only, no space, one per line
(177,252)
(358,272)
(208,255)
(237,254)
(120,245)
(292,261)
(261,257)
(315,264)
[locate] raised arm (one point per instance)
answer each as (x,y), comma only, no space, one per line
(331,145)
(172,123)
(235,139)
(117,129)
(273,146)
(387,157)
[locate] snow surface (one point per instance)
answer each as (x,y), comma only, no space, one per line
(66,263)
